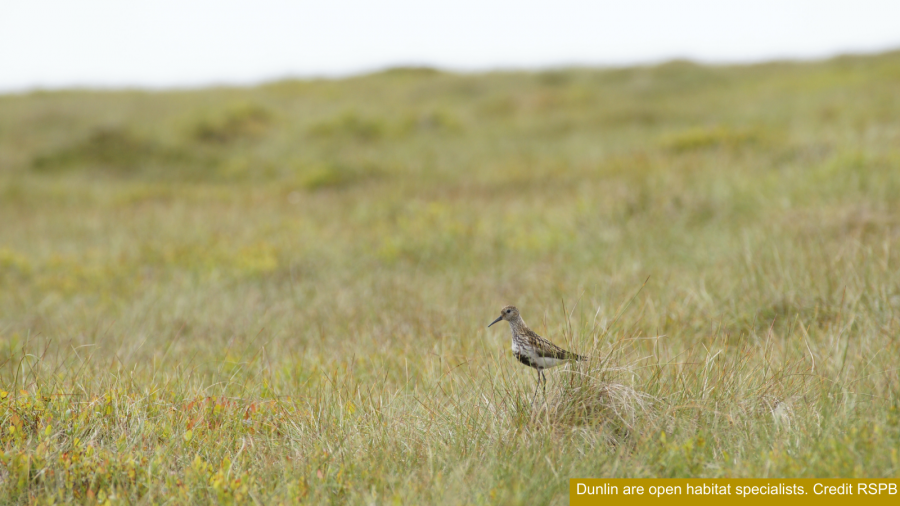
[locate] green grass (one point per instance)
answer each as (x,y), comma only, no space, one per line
(280,294)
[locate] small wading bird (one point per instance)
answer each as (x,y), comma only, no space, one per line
(532,349)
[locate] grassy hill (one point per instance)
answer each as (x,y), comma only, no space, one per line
(280,293)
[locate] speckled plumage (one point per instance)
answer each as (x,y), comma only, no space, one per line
(532,349)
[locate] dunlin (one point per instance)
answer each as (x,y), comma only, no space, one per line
(532,349)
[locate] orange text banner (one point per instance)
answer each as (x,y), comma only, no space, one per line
(737,491)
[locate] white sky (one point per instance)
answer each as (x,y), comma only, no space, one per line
(168,43)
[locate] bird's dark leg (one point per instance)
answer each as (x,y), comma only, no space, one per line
(545,382)
(536,388)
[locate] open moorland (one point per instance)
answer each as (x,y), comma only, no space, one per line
(280,293)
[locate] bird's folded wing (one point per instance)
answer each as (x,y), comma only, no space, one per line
(557,353)
(546,349)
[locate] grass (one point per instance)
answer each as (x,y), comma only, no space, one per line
(280,294)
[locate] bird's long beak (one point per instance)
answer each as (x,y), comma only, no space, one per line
(497,320)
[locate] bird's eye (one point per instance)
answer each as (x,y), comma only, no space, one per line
(507,311)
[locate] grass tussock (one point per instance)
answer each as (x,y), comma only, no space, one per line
(245,121)
(286,301)
(335,176)
(113,149)
(709,138)
(350,125)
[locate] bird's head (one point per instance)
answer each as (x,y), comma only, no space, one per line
(509,313)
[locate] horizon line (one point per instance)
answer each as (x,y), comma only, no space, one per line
(228,83)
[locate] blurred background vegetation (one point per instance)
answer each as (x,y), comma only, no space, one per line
(324,243)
